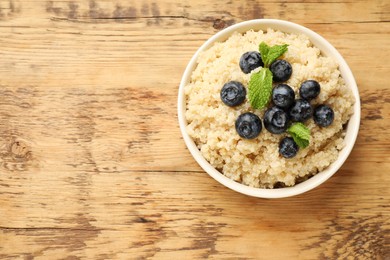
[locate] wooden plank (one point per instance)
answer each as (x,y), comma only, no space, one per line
(142,214)
(92,164)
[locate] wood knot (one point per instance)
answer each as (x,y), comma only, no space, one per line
(221,24)
(19,150)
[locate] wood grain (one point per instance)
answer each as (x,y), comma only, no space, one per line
(92,164)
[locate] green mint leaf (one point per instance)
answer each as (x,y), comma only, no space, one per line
(264,51)
(300,133)
(270,54)
(260,88)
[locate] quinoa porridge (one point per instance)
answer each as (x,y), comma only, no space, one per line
(257,162)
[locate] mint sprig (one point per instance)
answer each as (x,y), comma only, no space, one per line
(260,83)
(270,54)
(260,88)
(300,133)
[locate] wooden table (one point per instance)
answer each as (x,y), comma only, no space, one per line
(92,163)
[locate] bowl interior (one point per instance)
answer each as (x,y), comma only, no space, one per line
(328,50)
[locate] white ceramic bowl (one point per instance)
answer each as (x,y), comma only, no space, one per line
(327,49)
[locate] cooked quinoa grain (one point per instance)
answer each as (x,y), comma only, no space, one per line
(257,162)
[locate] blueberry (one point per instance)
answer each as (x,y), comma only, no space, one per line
(276,120)
(233,93)
(323,115)
(250,60)
(248,125)
(288,148)
(301,110)
(309,89)
(281,70)
(283,96)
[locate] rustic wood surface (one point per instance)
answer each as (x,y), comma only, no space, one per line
(92,163)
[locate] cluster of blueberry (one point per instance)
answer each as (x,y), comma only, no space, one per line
(285,108)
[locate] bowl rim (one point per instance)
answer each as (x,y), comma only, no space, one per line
(325,47)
